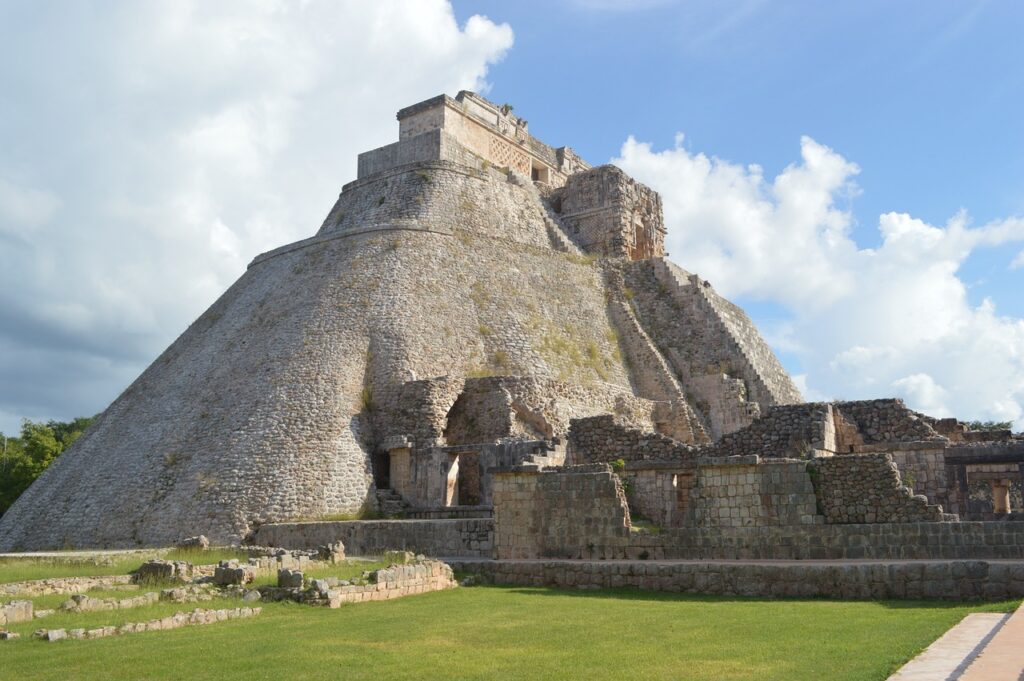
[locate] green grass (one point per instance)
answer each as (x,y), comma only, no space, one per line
(493,632)
(21,569)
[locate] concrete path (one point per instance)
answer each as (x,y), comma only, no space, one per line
(947,658)
(1003,658)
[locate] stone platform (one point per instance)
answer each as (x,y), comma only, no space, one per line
(955,580)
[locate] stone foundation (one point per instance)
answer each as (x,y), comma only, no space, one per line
(467,538)
(945,580)
(62,585)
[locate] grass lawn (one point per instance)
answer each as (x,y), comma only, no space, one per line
(495,632)
(21,569)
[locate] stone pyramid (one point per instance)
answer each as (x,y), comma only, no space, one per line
(473,285)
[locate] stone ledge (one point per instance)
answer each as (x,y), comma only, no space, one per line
(847,580)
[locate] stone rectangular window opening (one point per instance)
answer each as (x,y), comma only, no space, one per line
(540,173)
(463,480)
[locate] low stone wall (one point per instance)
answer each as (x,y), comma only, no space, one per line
(866,488)
(464,537)
(175,621)
(572,512)
(946,580)
(62,585)
(85,603)
(396,581)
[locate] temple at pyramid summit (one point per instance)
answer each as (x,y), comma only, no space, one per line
(486,339)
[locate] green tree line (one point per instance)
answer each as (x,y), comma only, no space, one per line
(24,458)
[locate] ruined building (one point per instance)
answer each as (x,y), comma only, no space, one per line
(478,308)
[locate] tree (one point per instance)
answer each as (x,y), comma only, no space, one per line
(24,458)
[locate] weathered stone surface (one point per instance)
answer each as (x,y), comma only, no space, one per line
(163,571)
(434,263)
(197,542)
(62,585)
(289,579)
(231,572)
(947,580)
(15,611)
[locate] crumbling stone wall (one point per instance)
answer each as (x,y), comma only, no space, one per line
(575,512)
(790,431)
(601,439)
(611,214)
(887,420)
(747,493)
(866,488)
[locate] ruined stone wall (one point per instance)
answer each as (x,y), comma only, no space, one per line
(658,491)
(611,214)
(470,537)
(752,494)
(866,488)
(575,512)
(923,469)
(790,431)
(888,420)
(601,439)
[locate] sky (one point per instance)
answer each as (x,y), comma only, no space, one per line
(851,173)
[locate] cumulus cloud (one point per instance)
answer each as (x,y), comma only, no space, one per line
(155,147)
(1018,262)
(865,322)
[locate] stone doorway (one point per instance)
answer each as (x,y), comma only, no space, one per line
(462,486)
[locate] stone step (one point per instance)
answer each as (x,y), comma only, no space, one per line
(1002,658)
(949,656)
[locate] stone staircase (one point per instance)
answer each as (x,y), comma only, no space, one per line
(391,504)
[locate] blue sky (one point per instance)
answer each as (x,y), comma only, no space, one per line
(852,173)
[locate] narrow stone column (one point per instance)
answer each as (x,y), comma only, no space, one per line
(1001,496)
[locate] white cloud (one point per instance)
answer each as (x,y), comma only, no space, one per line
(170,142)
(865,322)
(1018,262)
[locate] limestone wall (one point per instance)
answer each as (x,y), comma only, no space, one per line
(789,431)
(611,214)
(437,538)
(602,439)
(396,581)
(752,494)
(866,488)
(964,580)
(576,512)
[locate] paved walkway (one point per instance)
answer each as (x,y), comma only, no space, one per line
(1003,658)
(982,647)
(950,655)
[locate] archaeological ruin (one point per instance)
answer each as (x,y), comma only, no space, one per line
(485,355)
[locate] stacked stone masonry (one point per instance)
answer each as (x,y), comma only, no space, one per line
(439,538)
(948,580)
(478,300)
(866,488)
